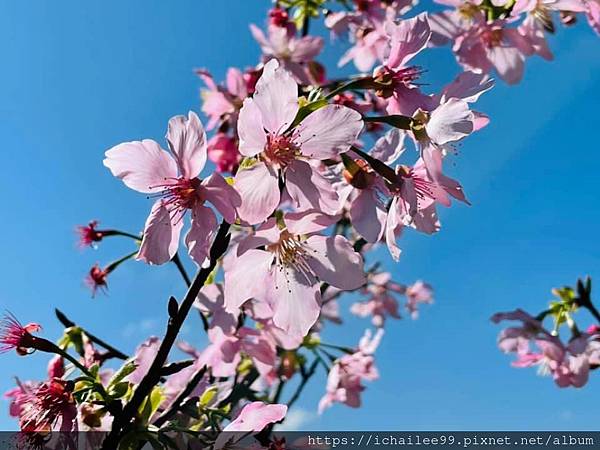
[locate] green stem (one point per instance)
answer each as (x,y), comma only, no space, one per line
(120,233)
(113,265)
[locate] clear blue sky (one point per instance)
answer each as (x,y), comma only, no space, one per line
(78,78)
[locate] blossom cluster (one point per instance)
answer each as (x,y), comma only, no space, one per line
(284,194)
(568,362)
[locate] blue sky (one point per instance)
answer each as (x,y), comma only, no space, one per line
(78,78)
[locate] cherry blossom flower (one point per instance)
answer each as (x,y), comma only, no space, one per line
(13,335)
(436,131)
(407,39)
(568,365)
(18,396)
(344,382)
(285,153)
(50,407)
(285,274)
(381,303)
(145,167)
(56,367)
(416,193)
(223,151)
(225,352)
(367,25)
(416,294)
(89,235)
(96,279)
(292,52)
(221,103)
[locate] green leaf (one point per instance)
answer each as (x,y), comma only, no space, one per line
(307,109)
(119,390)
(151,404)
(208,395)
(126,369)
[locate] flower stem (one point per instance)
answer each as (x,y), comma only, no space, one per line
(122,421)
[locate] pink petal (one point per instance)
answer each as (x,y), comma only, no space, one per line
(144,356)
(198,239)
(329,131)
(187,142)
(508,62)
(392,228)
(262,40)
(306,48)
(480,120)
(259,190)
(161,235)
(368,215)
(468,86)
(246,278)
(276,97)
(142,165)
(389,147)
(308,189)
(308,222)
(268,233)
(408,38)
(236,85)
(256,416)
(334,260)
(250,129)
(296,301)
(212,299)
(225,198)
(450,122)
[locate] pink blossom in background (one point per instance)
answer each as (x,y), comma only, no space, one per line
(293,53)
(344,382)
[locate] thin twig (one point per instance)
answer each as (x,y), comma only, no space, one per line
(305,378)
(113,352)
(121,422)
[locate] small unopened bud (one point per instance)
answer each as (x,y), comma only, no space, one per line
(384,79)
(568,18)
(358,173)
(289,364)
(278,17)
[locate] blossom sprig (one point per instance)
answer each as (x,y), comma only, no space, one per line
(320,175)
(569,361)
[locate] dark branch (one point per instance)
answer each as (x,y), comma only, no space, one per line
(112,352)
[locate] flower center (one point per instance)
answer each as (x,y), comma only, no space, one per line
(492,37)
(46,404)
(291,253)
(179,194)
(388,79)
(280,150)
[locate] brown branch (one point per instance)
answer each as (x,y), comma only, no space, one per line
(122,422)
